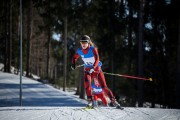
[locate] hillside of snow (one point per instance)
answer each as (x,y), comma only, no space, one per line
(43,102)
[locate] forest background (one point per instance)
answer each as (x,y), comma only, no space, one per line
(134,37)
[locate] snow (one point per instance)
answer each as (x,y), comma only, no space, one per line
(44,102)
(34,93)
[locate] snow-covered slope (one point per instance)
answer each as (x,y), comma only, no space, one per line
(43,102)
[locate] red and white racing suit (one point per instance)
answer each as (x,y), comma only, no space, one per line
(90,58)
(98,92)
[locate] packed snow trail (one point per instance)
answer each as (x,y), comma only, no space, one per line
(77,113)
(34,93)
(43,102)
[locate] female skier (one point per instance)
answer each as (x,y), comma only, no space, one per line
(98,93)
(92,67)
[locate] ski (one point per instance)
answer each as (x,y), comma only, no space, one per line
(119,107)
(88,108)
(91,107)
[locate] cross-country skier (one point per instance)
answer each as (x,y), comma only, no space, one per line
(98,93)
(92,66)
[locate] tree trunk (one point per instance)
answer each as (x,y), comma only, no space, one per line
(112,69)
(140,55)
(130,49)
(5,50)
(48,52)
(9,37)
(77,87)
(48,44)
(130,36)
(82,90)
(78,81)
(28,37)
(112,39)
(178,72)
(6,38)
(65,47)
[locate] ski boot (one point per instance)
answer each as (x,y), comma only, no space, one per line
(90,104)
(114,103)
(95,103)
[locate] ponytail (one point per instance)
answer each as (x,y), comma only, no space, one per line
(92,44)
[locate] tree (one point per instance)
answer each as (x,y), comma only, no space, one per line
(178,70)
(8,35)
(140,53)
(29,15)
(65,45)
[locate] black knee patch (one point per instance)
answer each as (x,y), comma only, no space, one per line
(89,97)
(86,80)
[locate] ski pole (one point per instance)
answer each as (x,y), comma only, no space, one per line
(127,76)
(79,66)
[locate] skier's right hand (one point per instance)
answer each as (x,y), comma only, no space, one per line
(73,66)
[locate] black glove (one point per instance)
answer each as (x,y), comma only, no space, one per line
(73,66)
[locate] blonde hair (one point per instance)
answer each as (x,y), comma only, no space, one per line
(92,44)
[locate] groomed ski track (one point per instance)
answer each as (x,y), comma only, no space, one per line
(43,102)
(77,113)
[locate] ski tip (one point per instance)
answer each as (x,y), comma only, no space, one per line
(150,79)
(88,108)
(119,107)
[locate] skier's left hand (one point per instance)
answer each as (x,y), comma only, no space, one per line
(91,70)
(73,66)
